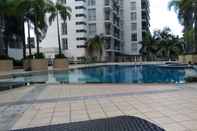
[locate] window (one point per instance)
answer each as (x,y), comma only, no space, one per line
(81,23)
(92,29)
(91,2)
(63,1)
(81,46)
(134,47)
(134,26)
(81,38)
(133,16)
(107,2)
(133,5)
(64,43)
(80,7)
(81,30)
(81,15)
(92,14)
(134,37)
(64,28)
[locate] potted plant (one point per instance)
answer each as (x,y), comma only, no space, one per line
(6,63)
(60,62)
(39,62)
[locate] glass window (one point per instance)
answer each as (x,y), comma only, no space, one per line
(91,14)
(134,26)
(64,43)
(91,2)
(92,29)
(64,28)
(133,16)
(133,5)
(134,37)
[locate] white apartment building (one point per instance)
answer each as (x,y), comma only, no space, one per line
(121,22)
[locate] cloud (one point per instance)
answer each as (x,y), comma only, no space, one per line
(161,17)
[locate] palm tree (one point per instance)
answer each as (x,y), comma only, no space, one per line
(35,12)
(169,45)
(149,47)
(7,11)
(65,13)
(23,9)
(94,47)
(187,15)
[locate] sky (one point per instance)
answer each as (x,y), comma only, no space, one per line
(161,17)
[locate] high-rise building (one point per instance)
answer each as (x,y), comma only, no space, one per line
(121,22)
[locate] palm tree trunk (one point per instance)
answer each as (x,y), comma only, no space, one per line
(23,39)
(58,33)
(29,42)
(37,37)
(195,28)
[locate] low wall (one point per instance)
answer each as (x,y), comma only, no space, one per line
(39,64)
(6,65)
(186,59)
(60,64)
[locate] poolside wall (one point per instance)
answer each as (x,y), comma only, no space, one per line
(39,64)
(185,59)
(6,65)
(60,64)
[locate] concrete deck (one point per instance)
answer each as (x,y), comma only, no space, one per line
(169,106)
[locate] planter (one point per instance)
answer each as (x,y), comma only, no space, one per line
(60,64)
(186,59)
(39,64)
(182,59)
(6,65)
(27,64)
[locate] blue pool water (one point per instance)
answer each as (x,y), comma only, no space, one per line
(109,74)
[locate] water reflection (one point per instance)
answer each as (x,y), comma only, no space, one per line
(107,74)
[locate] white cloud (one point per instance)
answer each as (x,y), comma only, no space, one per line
(161,17)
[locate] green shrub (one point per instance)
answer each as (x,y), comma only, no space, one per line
(5,57)
(60,56)
(39,56)
(191,79)
(29,57)
(18,62)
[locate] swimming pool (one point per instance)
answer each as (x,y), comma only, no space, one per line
(120,74)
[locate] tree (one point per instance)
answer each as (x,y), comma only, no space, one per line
(169,46)
(35,11)
(187,15)
(8,12)
(163,45)
(94,47)
(65,13)
(149,47)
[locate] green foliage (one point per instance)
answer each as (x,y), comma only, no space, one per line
(60,56)
(29,57)
(18,62)
(95,47)
(187,15)
(39,56)
(163,45)
(191,79)
(5,57)
(57,8)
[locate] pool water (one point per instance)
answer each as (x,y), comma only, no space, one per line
(110,74)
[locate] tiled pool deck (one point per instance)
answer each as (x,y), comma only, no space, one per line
(171,107)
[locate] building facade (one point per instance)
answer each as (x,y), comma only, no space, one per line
(122,23)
